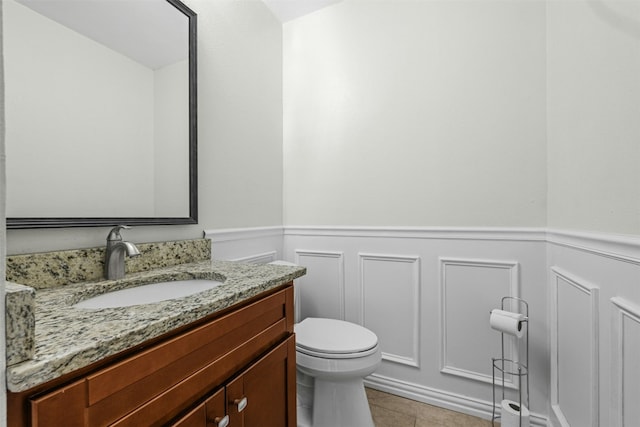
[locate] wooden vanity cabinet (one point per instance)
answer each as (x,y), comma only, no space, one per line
(240,365)
(259,396)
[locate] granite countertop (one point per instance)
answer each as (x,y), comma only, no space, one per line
(68,338)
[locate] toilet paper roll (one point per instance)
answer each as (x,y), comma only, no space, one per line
(507,322)
(510,414)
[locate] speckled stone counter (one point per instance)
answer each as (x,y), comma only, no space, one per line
(20,322)
(30,272)
(68,338)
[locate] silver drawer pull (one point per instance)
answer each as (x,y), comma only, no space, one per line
(222,422)
(241,403)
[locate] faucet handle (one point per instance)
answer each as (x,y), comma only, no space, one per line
(114,234)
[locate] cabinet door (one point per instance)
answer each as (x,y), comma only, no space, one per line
(216,410)
(211,413)
(265,394)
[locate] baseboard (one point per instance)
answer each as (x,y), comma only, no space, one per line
(444,399)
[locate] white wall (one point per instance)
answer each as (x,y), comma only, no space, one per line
(427,292)
(593,64)
(240,131)
(446,127)
(593,105)
(594,329)
(3,234)
(472,113)
(416,113)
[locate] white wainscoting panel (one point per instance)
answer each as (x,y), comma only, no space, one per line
(321,291)
(574,350)
(262,258)
(469,290)
(256,245)
(625,364)
(448,285)
(390,302)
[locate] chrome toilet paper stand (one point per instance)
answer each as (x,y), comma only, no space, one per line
(514,368)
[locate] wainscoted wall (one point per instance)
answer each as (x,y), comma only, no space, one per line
(256,245)
(594,284)
(427,293)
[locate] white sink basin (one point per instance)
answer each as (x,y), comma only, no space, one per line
(147,294)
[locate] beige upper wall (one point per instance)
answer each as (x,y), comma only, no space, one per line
(593,107)
(478,113)
(422,113)
(239,128)
(428,113)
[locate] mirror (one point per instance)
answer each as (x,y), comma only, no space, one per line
(100,109)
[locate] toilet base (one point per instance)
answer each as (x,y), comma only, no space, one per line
(336,404)
(304,398)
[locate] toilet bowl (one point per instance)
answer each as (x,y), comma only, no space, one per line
(332,359)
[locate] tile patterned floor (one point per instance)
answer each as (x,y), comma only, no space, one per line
(393,411)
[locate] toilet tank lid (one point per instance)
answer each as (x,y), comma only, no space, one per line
(333,336)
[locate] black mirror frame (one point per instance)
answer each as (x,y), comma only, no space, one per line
(65,222)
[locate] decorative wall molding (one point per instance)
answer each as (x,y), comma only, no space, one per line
(413,283)
(262,258)
(246,244)
(560,278)
(514,291)
(623,311)
(456,233)
(617,247)
(232,234)
(319,289)
(594,256)
(620,247)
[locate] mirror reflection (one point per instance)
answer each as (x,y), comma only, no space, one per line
(97,109)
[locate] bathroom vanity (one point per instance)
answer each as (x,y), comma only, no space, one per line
(225,356)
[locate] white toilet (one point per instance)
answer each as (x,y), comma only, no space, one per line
(332,358)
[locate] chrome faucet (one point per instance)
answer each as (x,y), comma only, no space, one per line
(114,256)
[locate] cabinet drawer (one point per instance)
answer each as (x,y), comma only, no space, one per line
(64,407)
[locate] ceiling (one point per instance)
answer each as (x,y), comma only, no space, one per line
(154,33)
(286,10)
(162,40)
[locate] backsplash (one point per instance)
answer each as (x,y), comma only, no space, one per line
(51,269)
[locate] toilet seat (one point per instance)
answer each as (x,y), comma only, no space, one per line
(334,339)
